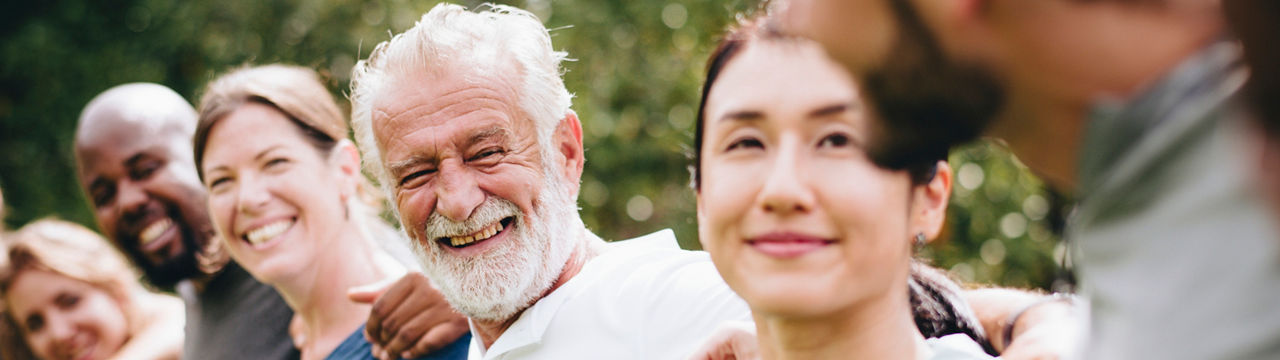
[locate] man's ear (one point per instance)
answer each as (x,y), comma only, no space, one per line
(568,140)
(929,203)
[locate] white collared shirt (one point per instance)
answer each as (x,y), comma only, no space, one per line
(643,298)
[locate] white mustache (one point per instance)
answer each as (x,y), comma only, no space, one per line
(490,211)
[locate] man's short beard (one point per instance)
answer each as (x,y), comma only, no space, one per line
(927,103)
(497,285)
(166,275)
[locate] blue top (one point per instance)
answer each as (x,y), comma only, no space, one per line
(356,347)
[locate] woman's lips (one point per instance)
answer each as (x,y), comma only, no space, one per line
(787,245)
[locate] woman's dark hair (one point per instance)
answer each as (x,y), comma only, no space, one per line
(936,303)
(938,307)
(756,29)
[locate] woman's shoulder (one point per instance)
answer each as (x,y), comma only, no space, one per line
(956,347)
(356,347)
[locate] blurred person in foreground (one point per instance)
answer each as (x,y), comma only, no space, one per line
(66,294)
(466,123)
(134,156)
(1131,104)
(1257,24)
(290,204)
(821,244)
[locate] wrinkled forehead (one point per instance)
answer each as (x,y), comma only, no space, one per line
(445,93)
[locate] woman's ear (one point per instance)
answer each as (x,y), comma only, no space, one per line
(929,203)
(346,158)
(700,214)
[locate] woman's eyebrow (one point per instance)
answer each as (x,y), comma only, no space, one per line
(743,115)
(267,151)
(831,109)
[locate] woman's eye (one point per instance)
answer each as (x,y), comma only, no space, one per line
(35,323)
(218,182)
(276,162)
(834,140)
(67,301)
(744,143)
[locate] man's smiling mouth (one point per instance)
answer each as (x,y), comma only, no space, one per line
(488,232)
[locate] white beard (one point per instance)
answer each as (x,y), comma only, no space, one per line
(497,285)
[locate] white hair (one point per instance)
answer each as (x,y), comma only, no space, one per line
(448,38)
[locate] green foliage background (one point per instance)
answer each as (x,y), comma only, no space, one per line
(637,76)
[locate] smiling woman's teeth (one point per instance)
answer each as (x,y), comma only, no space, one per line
(153,231)
(484,234)
(267,232)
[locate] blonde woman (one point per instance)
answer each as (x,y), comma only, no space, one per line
(68,295)
(288,200)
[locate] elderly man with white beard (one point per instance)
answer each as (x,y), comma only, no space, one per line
(465,122)
(467,125)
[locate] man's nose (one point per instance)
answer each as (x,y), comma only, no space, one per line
(132,199)
(458,194)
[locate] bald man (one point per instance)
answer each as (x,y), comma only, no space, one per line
(133,151)
(134,156)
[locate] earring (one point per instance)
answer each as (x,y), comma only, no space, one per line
(346,208)
(919,241)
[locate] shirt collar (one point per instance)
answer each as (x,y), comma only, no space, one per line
(1115,125)
(529,328)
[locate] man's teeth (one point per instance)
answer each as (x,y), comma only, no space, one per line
(267,232)
(484,234)
(153,231)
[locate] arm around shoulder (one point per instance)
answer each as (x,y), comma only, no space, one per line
(159,331)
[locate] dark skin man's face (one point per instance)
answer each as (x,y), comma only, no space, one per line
(142,183)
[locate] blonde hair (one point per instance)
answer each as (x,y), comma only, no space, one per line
(300,95)
(66,249)
(295,91)
(449,35)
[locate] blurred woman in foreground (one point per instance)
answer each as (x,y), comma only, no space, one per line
(289,201)
(68,295)
(821,244)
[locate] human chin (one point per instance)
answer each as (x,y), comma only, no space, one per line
(177,260)
(799,287)
(504,280)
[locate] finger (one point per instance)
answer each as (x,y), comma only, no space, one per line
(367,293)
(438,337)
(408,334)
(425,310)
(384,308)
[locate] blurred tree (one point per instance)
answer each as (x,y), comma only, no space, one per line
(637,76)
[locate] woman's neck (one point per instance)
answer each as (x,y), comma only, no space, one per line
(319,298)
(878,329)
